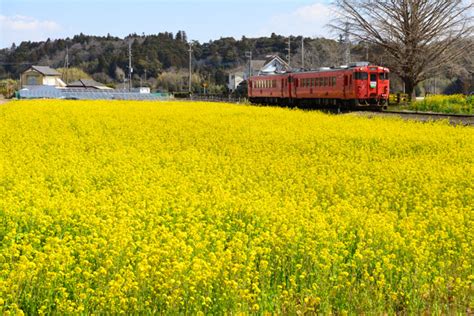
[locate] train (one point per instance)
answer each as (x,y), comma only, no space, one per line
(356,85)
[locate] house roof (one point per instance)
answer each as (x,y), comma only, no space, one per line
(86,83)
(275,64)
(257,64)
(45,70)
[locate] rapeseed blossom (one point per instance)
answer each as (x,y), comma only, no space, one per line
(182,207)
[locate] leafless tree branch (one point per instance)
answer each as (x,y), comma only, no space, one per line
(418,35)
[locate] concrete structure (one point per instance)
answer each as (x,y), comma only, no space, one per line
(41,76)
(234,80)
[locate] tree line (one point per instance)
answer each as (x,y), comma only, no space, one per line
(160,61)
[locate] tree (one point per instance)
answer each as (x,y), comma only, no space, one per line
(418,36)
(73,74)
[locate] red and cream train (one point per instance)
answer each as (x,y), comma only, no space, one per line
(358,85)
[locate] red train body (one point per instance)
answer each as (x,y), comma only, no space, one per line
(353,86)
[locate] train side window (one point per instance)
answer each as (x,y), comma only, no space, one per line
(350,79)
(334,81)
(325,82)
(346,81)
(361,76)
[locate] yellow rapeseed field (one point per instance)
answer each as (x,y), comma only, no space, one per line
(199,208)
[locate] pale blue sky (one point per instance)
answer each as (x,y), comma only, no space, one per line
(202,20)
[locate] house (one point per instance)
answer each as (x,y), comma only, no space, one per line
(88,84)
(273,64)
(256,65)
(41,76)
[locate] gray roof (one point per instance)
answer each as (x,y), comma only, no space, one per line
(49,92)
(45,70)
(85,83)
(258,64)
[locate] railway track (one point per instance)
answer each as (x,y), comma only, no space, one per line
(455,119)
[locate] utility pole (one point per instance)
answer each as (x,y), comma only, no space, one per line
(302,52)
(347,45)
(367,51)
(248,54)
(66,66)
(130,69)
(190,67)
(289,51)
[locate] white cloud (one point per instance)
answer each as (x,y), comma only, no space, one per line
(310,20)
(20,28)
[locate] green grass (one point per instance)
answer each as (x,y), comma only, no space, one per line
(455,104)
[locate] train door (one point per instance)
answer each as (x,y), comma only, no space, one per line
(283,87)
(250,84)
(373,86)
(295,84)
(289,87)
(345,87)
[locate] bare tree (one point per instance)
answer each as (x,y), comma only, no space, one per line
(417,35)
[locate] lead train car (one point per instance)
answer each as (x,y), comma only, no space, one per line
(365,86)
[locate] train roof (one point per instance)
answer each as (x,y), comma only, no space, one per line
(354,66)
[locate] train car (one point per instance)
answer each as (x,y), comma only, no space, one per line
(270,89)
(357,86)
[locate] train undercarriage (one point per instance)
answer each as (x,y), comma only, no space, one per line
(361,104)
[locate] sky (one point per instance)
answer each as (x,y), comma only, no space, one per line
(202,20)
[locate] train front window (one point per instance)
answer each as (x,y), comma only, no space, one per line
(373,77)
(361,76)
(384,76)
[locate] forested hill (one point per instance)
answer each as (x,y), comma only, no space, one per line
(106,58)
